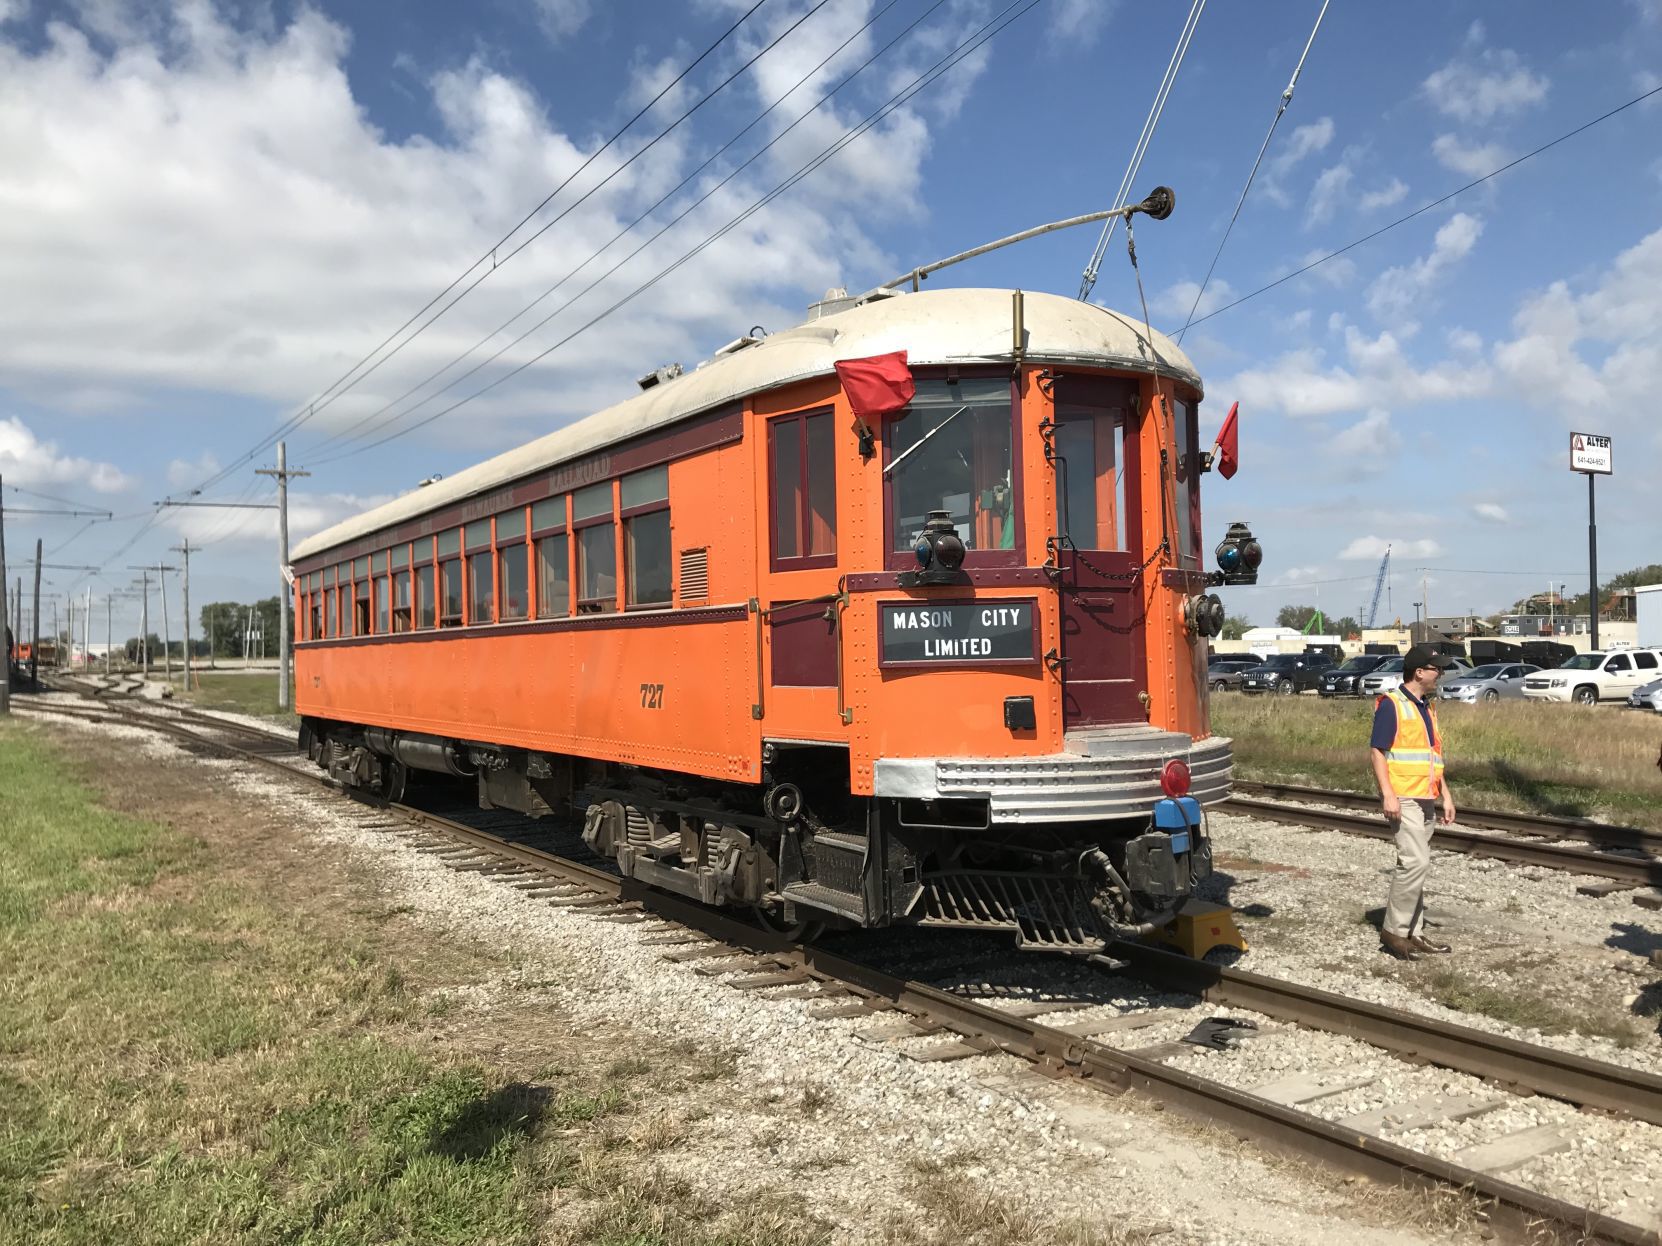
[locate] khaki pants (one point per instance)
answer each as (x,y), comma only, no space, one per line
(1405,907)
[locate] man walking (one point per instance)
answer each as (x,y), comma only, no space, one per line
(1407,755)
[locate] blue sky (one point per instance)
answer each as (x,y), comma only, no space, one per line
(209,212)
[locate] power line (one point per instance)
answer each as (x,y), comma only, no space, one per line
(305,413)
(374,421)
(1424,208)
(350,433)
(986,32)
(1087,281)
(1286,99)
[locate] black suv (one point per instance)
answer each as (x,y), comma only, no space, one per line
(1224,670)
(1346,680)
(1287,673)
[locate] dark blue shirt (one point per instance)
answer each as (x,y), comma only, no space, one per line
(1385,722)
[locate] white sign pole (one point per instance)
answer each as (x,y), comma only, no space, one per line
(1590,454)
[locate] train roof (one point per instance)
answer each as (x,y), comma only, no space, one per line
(959,326)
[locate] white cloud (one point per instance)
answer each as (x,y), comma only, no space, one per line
(1495,83)
(1491,512)
(1336,272)
(13,10)
(562,18)
(1175,300)
(1372,548)
(1296,575)
(184,472)
(27,461)
(1327,194)
(1617,322)
(1392,193)
(1304,141)
(1369,442)
(1469,159)
(1464,341)
(1079,23)
(1396,291)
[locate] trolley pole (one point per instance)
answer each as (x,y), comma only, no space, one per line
(1592,561)
(285,649)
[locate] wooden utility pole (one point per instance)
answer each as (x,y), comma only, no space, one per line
(34,624)
(144,620)
(109,630)
(167,640)
(284,610)
(6,662)
(184,548)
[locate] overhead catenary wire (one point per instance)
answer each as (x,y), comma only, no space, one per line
(1280,110)
(306,412)
(373,420)
(1426,207)
(983,34)
(1087,281)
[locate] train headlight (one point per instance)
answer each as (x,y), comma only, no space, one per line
(939,551)
(1203,615)
(1238,555)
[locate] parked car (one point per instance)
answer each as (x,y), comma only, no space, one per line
(1224,670)
(1589,678)
(1490,682)
(1647,696)
(1346,680)
(1286,673)
(1384,678)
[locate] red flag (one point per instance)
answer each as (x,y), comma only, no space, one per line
(1227,447)
(878,386)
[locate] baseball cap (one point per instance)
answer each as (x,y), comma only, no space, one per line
(1425,655)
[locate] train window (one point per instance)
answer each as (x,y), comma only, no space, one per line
(804,495)
(450,543)
(481,588)
(596,569)
(644,488)
(513,576)
(952,452)
(317,616)
(1089,444)
(360,568)
(400,556)
(424,595)
(450,592)
(329,612)
(591,502)
(379,565)
(400,600)
(553,577)
(1187,501)
(646,548)
(360,609)
(343,609)
(383,619)
(510,525)
(548,513)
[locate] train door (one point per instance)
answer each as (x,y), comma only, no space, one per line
(1102,666)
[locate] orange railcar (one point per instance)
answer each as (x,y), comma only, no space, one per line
(708,621)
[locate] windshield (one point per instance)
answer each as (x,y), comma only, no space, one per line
(951,452)
(1281,662)
(1359,665)
(1392,666)
(1485,672)
(1584,662)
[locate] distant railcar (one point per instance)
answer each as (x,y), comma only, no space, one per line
(946,667)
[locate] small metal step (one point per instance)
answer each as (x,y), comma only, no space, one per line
(832,900)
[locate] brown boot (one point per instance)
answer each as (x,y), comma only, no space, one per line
(1398,946)
(1427,945)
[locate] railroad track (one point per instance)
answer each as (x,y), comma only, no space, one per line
(1628,855)
(1044,1033)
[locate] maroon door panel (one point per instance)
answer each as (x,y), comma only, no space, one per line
(804,643)
(1102,643)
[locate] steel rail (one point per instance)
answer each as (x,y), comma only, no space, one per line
(1510,1208)
(1639,871)
(1583,830)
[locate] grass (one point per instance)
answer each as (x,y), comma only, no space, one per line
(197,1047)
(253,692)
(1452,989)
(1563,760)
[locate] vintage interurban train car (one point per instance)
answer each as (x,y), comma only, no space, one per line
(941,665)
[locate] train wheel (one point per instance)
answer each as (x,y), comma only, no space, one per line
(804,931)
(395,779)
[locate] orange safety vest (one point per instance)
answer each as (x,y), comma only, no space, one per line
(1413,762)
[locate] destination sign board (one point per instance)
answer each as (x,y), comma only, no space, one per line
(934,631)
(1590,452)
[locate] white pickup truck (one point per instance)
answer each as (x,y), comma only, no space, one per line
(1589,678)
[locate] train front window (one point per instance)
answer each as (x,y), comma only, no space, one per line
(951,451)
(1089,446)
(1187,417)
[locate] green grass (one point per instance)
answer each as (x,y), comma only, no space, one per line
(253,692)
(196,1048)
(1452,989)
(1563,760)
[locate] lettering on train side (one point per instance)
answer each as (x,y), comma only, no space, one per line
(914,633)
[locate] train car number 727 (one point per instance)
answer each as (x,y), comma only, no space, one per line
(652,696)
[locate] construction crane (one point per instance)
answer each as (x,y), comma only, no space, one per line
(1378,584)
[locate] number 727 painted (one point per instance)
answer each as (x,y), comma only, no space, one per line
(652,696)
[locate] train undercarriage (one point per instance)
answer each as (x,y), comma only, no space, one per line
(801,853)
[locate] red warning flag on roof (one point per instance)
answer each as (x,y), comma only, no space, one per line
(878,386)
(1228,444)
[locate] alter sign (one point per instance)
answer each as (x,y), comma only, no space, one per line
(931,630)
(1590,452)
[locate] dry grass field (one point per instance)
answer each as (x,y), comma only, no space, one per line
(1563,760)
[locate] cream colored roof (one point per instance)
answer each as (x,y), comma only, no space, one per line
(933,327)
